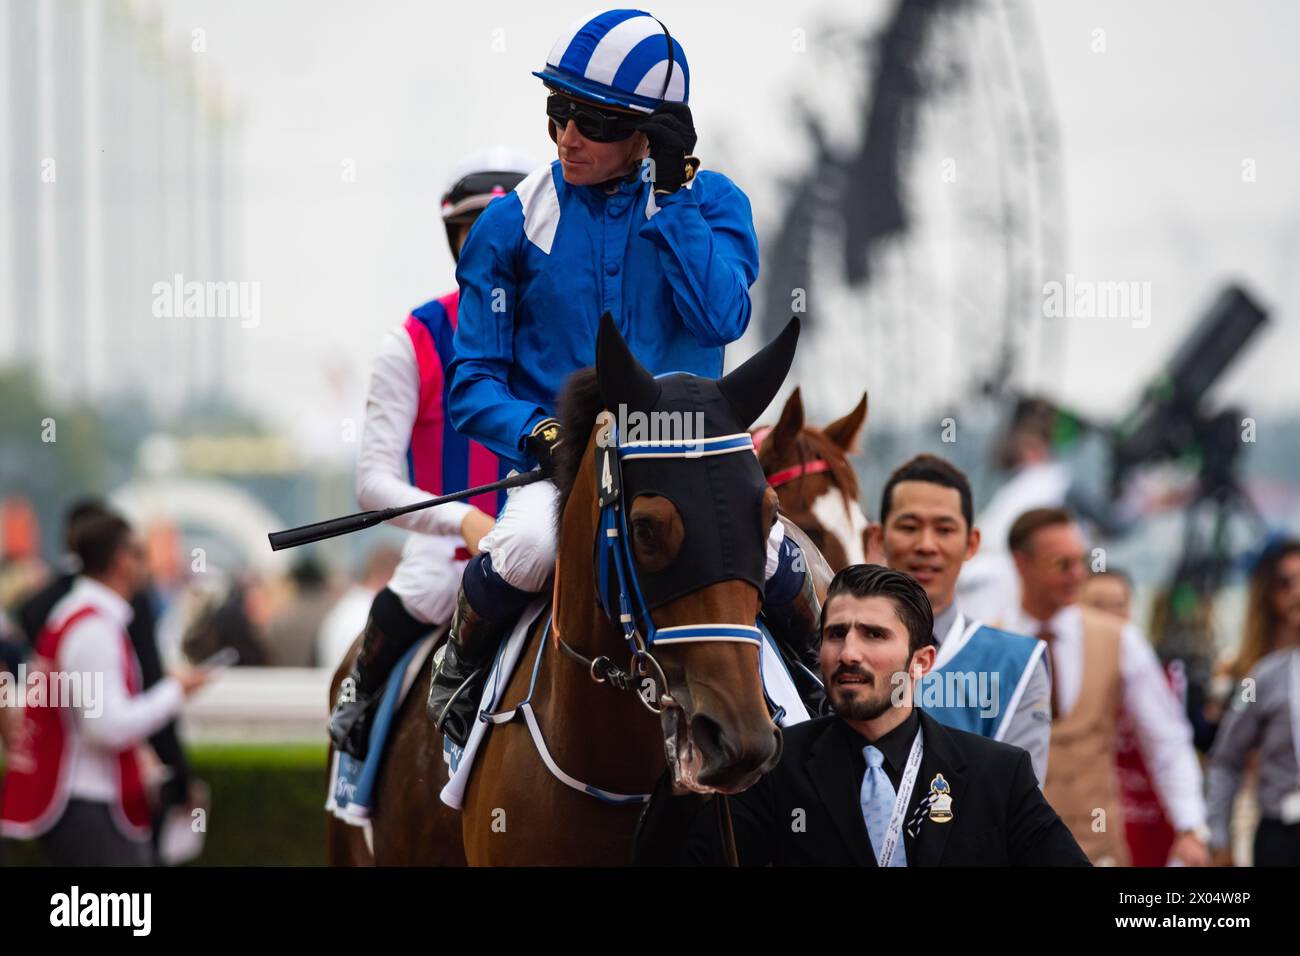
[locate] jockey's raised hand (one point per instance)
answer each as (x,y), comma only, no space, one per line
(670,131)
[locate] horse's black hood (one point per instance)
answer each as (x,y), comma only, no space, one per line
(719,496)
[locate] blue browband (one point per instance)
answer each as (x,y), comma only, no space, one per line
(614,546)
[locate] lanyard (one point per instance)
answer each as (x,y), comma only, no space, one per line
(886,854)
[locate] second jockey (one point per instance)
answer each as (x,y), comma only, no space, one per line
(670,253)
(409,452)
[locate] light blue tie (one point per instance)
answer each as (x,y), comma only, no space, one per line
(877,800)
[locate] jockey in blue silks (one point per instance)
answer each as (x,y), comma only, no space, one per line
(669,252)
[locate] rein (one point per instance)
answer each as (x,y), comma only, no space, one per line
(613,546)
(613,542)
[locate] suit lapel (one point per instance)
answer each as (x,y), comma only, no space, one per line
(940,756)
(830,767)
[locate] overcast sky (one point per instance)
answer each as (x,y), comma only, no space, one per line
(1155,130)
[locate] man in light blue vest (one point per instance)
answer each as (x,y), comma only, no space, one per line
(984,680)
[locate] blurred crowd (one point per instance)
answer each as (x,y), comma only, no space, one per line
(101,791)
(306,617)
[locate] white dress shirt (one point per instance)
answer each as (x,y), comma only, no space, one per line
(428,576)
(1163,731)
(108,720)
(989,587)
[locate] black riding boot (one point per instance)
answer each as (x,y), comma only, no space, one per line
(382,646)
(458,677)
(793,626)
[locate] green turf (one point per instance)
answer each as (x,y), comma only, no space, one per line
(267,806)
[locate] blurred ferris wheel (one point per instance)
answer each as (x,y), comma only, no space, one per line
(918,239)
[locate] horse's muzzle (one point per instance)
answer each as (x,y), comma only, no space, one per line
(706,758)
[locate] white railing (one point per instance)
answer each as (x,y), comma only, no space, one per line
(262,705)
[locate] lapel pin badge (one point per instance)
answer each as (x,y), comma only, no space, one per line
(940,800)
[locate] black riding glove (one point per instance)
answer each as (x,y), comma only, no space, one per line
(542,442)
(671,133)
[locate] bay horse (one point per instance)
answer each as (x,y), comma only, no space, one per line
(714,727)
(409,825)
(695,628)
(818,489)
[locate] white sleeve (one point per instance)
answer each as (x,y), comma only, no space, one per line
(391,407)
(1030,726)
(1163,731)
(108,716)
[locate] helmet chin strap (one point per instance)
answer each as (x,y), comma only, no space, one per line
(668,74)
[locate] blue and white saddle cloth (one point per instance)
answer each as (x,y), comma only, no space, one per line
(352,782)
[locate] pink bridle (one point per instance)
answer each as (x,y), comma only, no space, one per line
(814,467)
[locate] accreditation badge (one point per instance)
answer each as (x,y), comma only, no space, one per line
(940,800)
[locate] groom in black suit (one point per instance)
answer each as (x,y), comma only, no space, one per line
(834,797)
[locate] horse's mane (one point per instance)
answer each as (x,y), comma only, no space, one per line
(811,444)
(579,404)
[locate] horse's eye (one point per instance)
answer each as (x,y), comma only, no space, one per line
(644,532)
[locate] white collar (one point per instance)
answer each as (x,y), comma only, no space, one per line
(86,590)
(1060,622)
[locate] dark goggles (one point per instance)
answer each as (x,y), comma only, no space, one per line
(597,125)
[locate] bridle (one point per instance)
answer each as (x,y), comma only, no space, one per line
(613,546)
(621,598)
(813,466)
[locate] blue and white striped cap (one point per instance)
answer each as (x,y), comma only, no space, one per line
(622,58)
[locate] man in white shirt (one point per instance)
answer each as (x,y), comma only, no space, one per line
(74,780)
(1099,663)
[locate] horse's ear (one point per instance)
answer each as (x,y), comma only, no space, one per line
(790,424)
(844,431)
(623,381)
(751,387)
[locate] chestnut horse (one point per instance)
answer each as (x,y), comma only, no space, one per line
(817,486)
(714,725)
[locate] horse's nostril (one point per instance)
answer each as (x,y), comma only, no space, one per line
(708,738)
(730,759)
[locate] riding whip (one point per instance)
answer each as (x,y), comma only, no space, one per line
(333,527)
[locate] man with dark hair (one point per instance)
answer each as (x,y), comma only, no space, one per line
(845,791)
(984,680)
(34,612)
(74,780)
(1101,664)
